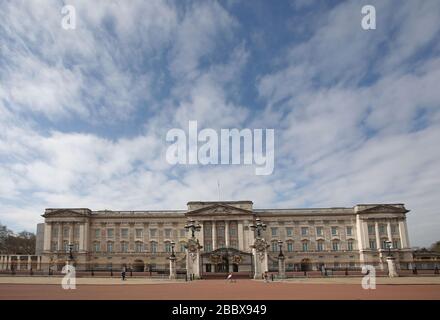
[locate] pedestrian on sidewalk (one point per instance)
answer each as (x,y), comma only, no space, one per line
(123,274)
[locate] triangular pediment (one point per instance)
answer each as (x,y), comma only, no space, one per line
(66,213)
(384,208)
(219,209)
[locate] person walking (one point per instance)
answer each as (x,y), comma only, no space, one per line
(123,274)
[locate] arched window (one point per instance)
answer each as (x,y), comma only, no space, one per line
(110,246)
(305,246)
(167,246)
(350,245)
(96,246)
(153,246)
(182,247)
(139,247)
(320,245)
(289,246)
(335,245)
(124,246)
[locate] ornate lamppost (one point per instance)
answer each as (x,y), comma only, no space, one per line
(70,259)
(281,261)
(389,245)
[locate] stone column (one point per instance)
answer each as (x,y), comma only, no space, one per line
(29,263)
(281,267)
(376,227)
(403,233)
(38,262)
(173,271)
(214,236)
(7,262)
(60,236)
(227,234)
(81,237)
(47,236)
(71,232)
(240,235)
(86,236)
(2,262)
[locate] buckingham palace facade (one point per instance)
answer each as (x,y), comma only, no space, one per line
(311,238)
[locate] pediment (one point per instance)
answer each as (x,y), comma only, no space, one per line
(66,213)
(384,208)
(219,209)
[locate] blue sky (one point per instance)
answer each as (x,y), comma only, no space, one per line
(84,112)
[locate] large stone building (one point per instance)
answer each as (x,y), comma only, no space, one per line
(311,238)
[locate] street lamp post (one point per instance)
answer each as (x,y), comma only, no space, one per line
(389,245)
(281,262)
(70,251)
(173,271)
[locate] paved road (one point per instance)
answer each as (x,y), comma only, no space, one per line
(220,290)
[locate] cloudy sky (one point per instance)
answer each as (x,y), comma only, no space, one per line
(84,113)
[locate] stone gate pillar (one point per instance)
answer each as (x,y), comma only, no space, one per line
(392,271)
(193,258)
(259,252)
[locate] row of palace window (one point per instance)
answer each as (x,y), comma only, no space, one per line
(305,231)
(65,246)
(383,243)
(320,246)
(139,233)
(382,229)
(138,247)
(66,231)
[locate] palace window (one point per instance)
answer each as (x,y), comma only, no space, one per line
(394,229)
(274,231)
(153,246)
(124,247)
(139,233)
(76,232)
(153,232)
(335,245)
(66,246)
(167,233)
(55,232)
(109,246)
(139,247)
(54,245)
(334,231)
(304,231)
(274,246)
(208,246)
(110,233)
(96,247)
(384,244)
(372,243)
(382,229)
(305,246)
(289,246)
(66,232)
(167,246)
(76,246)
(320,246)
(350,245)
(289,232)
(371,230)
(182,247)
(319,231)
(124,233)
(234,244)
(349,231)
(97,233)
(396,244)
